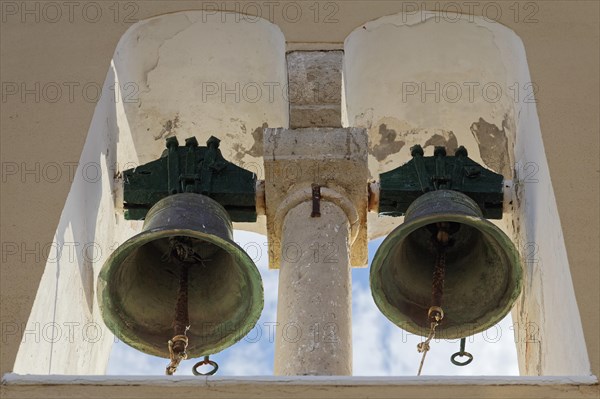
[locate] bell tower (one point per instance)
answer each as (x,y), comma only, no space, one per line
(439,132)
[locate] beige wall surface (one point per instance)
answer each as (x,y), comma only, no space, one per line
(43,133)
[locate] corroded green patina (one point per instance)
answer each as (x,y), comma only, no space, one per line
(190,169)
(139,283)
(482,268)
(403,185)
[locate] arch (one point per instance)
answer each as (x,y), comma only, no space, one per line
(183,74)
(454,79)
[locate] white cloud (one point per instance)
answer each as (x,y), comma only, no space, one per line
(125,360)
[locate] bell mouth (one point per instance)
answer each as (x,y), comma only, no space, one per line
(138,288)
(483,271)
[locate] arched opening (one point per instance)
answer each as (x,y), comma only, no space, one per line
(170,75)
(453,79)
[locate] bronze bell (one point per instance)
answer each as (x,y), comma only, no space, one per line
(482,268)
(139,286)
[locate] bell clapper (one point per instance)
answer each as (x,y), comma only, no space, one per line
(435,314)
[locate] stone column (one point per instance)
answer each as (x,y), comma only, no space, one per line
(314,335)
(308,172)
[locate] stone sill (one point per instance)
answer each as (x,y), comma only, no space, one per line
(105,387)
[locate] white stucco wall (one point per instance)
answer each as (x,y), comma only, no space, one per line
(65,333)
(204,73)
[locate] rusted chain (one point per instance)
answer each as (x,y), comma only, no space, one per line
(182,318)
(181,254)
(435,314)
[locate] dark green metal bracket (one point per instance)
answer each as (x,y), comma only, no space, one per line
(401,186)
(191,169)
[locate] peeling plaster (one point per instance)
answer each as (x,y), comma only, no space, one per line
(444,139)
(390,140)
(256,151)
(387,143)
(257,134)
(168,128)
(220,79)
(437,120)
(493,146)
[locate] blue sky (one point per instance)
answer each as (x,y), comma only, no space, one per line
(379,347)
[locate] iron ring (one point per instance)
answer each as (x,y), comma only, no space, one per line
(461,354)
(202,363)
